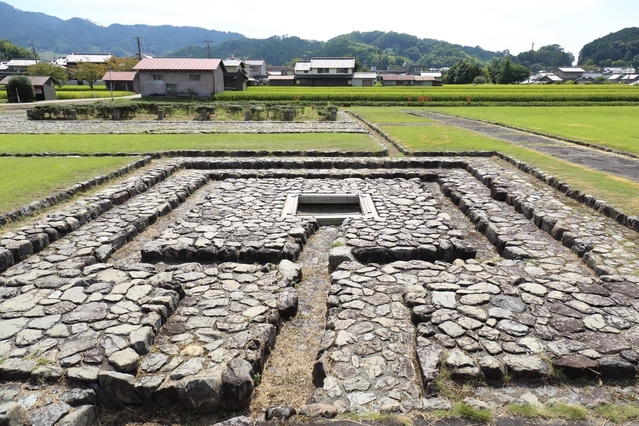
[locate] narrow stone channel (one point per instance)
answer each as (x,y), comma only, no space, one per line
(287,378)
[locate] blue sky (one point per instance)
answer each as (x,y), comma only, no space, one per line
(493,24)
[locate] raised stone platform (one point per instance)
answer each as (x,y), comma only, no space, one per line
(173,294)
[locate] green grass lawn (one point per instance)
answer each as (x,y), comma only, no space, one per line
(616,127)
(620,192)
(145,143)
(24,180)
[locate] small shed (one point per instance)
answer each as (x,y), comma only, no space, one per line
(409,80)
(127,81)
(364,79)
(281,80)
(42,85)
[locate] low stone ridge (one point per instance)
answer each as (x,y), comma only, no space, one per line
(17,245)
(20,124)
(479,270)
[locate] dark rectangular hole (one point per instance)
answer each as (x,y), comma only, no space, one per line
(328,208)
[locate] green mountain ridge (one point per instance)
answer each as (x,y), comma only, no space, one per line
(81,35)
(620,48)
(386,50)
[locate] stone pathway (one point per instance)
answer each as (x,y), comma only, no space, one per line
(472,267)
(596,159)
(18,123)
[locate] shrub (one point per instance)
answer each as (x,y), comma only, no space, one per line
(20,89)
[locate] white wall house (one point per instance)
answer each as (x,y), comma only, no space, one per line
(325,72)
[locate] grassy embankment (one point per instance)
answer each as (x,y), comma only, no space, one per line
(23,180)
(421,134)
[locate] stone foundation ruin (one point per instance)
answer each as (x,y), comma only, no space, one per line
(466,264)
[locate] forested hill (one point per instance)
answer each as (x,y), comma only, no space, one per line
(389,50)
(616,49)
(81,35)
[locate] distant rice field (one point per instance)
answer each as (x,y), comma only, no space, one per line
(454,94)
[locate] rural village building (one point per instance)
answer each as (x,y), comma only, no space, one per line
(409,80)
(325,72)
(72,60)
(43,86)
(256,70)
(565,73)
(281,80)
(549,79)
(180,76)
(235,74)
(19,65)
(280,76)
(364,79)
(127,81)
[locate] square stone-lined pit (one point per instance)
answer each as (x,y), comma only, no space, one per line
(345,206)
(400,219)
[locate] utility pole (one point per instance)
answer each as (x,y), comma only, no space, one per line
(33,48)
(139,49)
(208,48)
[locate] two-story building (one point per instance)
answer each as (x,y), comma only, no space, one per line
(235,74)
(256,70)
(180,77)
(325,72)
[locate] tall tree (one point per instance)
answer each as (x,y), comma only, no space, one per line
(121,63)
(58,74)
(89,72)
(463,72)
(20,89)
(507,72)
(9,51)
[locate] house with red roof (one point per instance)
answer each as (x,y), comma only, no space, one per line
(180,77)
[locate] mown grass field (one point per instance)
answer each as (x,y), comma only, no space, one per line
(421,136)
(24,180)
(616,127)
(148,143)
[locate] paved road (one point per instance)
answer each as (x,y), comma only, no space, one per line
(607,162)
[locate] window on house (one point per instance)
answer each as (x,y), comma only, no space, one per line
(194,77)
(322,70)
(342,70)
(158,77)
(171,89)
